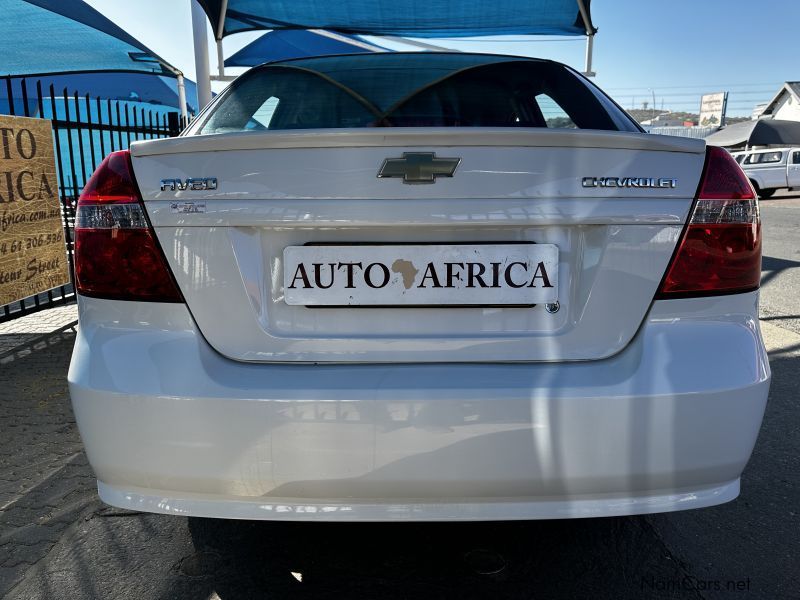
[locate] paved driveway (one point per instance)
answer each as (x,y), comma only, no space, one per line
(58,541)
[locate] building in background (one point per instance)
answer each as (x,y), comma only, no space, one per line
(785,106)
(669,119)
(757,110)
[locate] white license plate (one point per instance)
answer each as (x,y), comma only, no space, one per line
(421,275)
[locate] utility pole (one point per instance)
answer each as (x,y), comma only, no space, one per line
(654,102)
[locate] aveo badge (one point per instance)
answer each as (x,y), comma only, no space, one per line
(191,183)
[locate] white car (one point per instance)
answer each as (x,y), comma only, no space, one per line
(771,170)
(420,286)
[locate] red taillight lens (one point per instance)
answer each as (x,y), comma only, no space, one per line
(116,252)
(112,182)
(720,252)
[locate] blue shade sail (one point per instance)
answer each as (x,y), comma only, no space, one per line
(411,18)
(284,44)
(56,36)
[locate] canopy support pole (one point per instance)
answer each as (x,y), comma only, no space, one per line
(200,35)
(589,52)
(220,60)
(218,35)
(220,76)
(182,98)
(181,83)
(589,38)
(223,13)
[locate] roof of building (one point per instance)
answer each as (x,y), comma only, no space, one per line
(790,87)
(764,132)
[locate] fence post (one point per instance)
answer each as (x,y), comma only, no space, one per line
(173,124)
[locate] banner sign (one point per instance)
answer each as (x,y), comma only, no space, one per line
(33,253)
(712,109)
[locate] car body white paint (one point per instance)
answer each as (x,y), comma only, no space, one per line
(239,405)
(172,426)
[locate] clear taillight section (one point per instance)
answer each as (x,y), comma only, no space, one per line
(720,252)
(117,255)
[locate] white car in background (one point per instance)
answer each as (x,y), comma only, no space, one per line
(771,170)
(422,286)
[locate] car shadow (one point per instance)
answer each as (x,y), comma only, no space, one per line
(783,195)
(771,267)
(598,558)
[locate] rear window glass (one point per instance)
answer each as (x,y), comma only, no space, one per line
(764,157)
(412,90)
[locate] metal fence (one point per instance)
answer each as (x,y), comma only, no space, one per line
(85,130)
(690,132)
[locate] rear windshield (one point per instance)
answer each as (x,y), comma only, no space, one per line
(764,157)
(412,90)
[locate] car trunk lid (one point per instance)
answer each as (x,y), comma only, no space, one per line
(611,204)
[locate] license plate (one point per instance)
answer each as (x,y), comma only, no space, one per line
(421,275)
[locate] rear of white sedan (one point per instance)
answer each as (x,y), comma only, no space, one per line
(418,287)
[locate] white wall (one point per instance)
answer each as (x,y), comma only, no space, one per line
(787,109)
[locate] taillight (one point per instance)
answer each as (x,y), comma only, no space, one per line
(720,251)
(117,255)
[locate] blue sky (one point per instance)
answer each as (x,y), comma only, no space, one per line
(677,50)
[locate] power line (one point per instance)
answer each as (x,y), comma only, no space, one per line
(693,107)
(772,86)
(694,94)
(684,101)
(690,103)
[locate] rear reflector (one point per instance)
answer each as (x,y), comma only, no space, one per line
(720,251)
(117,255)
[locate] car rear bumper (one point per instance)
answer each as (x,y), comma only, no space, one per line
(171,426)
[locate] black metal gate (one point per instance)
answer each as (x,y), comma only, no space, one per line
(85,129)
